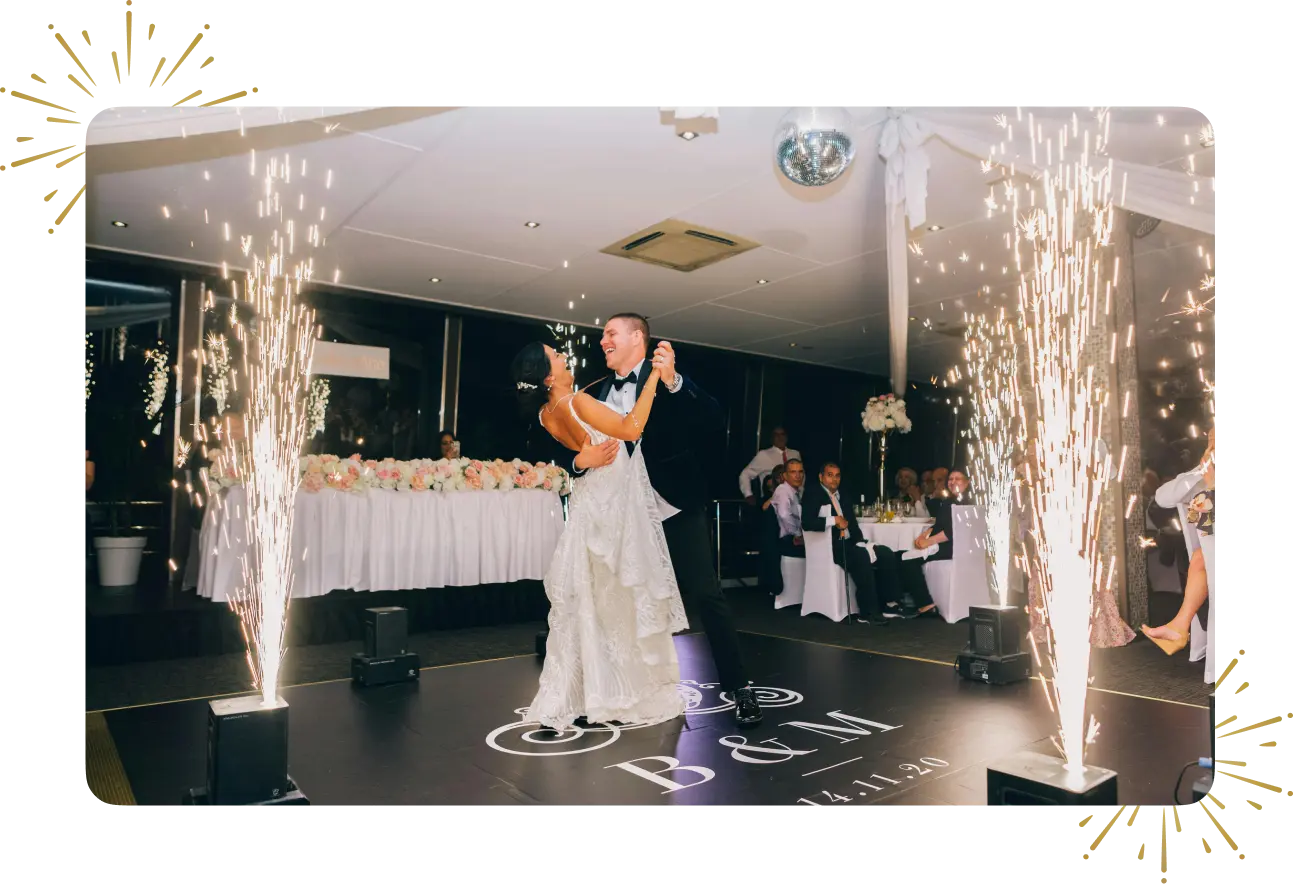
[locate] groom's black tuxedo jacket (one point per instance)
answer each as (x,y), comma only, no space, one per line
(677,441)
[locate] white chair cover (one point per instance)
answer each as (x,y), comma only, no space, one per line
(828,590)
(793,571)
(957,583)
(1162,578)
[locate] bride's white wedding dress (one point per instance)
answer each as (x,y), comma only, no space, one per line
(615,604)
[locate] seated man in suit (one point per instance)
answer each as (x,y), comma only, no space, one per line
(877,581)
(911,571)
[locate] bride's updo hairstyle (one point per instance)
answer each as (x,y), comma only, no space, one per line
(529,369)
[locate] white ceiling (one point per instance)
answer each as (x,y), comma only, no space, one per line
(418,193)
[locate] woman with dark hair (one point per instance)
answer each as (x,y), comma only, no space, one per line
(615,602)
(449,445)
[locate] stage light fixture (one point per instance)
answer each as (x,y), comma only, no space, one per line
(247,755)
(1029,778)
(995,652)
(386,658)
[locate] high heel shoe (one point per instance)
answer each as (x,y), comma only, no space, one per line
(1167,645)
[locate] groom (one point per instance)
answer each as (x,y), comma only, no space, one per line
(679,419)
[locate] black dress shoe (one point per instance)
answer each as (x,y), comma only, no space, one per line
(877,619)
(748,713)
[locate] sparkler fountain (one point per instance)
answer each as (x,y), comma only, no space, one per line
(247,748)
(992,365)
(1062,296)
(995,652)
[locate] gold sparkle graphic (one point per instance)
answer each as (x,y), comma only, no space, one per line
(54,142)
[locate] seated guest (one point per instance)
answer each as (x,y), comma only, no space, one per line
(912,571)
(1198,486)
(909,491)
(935,490)
(786,507)
(770,484)
(770,535)
(763,463)
(927,483)
(957,491)
(876,581)
(449,447)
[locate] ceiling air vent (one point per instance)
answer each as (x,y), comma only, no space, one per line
(679,245)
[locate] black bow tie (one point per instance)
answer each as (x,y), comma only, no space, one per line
(632,378)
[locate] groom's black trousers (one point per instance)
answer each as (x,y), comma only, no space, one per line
(691,548)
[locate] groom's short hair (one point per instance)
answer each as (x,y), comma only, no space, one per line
(636,322)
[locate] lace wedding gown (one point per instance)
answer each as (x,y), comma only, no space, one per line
(615,604)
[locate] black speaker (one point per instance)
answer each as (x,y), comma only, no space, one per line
(246,751)
(997,630)
(386,632)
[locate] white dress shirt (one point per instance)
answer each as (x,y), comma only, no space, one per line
(839,510)
(787,502)
(622,401)
(762,466)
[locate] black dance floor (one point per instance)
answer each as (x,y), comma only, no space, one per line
(840,727)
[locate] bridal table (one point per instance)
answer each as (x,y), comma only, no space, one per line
(391,540)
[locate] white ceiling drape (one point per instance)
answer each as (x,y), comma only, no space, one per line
(1176,197)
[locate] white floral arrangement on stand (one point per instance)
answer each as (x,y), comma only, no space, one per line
(884,415)
(356,475)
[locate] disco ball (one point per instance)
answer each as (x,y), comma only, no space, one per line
(814,145)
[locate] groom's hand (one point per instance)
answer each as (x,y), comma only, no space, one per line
(663,359)
(594,456)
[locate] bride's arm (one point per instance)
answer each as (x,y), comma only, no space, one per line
(627,428)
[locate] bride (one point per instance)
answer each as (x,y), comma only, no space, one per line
(615,601)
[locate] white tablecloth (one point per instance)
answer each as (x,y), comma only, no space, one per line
(898,536)
(383,540)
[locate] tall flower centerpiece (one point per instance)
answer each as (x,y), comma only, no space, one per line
(884,415)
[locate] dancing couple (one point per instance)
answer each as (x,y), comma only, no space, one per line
(637,539)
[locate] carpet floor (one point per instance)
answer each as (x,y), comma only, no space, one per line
(1140,668)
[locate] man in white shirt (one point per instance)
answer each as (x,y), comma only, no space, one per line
(763,463)
(786,502)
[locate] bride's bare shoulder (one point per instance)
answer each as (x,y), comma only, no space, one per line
(561,425)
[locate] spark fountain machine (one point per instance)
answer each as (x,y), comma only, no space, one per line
(247,754)
(386,658)
(995,652)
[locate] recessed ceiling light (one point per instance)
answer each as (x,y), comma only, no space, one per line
(120,224)
(763,282)
(688,135)
(935,227)
(793,344)
(531,224)
(435,279)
